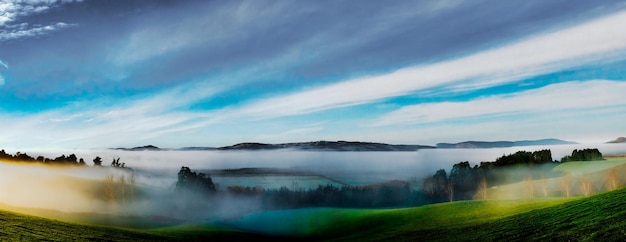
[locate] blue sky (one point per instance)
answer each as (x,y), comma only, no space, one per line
(96,74)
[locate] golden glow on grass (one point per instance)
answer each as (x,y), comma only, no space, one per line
(580,179)
(66,189)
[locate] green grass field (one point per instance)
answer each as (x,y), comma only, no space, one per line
(596,218)
(19,227)
(583,167)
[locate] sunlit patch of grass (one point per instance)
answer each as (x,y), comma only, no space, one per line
(596,218)
(583,167)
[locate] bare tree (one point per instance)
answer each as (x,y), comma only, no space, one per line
(121,180)
(529,186)
(566,184)
(611,180)
(450,192)
(586,187)
(482,189)
(109,191)
(544,185)
(132,183)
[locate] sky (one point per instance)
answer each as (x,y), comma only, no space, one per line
(100,74)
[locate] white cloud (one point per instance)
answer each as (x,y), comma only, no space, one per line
(12,11)
(32,32)
(122,122)
(597,40)
(554,98)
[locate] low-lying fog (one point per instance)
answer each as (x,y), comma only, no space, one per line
(348,167)
(76,189)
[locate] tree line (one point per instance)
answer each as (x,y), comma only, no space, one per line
(465,182)
(389,194)
(61,160)
(583,155)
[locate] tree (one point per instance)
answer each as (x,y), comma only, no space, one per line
(583,155)
(611,180)
(116,163)
(121,180)
(586,186)
(566,184)
(109,191)
(464,179)
(529,184)
(544,185)
(436,187)
(132,181)
(482,189)
(193,181)
(97,161)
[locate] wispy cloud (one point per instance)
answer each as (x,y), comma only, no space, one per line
(33,31)
(6,66)
(12,11)
(107,122)
(561,97)
(601,39)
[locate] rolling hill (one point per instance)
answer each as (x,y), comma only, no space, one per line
(309,146)
(594,218)
(501,144)
(617,140)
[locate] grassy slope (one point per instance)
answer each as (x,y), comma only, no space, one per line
(598,218)
(21,227)
(326,223)
(583,167)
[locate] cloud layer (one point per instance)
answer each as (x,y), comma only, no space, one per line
(188,73)
(600,40)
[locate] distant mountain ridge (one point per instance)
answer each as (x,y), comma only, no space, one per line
(141,148)
(328,146)
(501,144)
(358,146)
(313,146)
(617,140)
